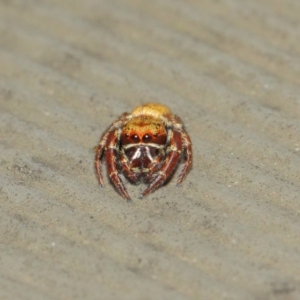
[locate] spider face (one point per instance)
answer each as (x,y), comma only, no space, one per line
(143,140)
(146,146)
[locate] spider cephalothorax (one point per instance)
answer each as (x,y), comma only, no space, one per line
(146,146)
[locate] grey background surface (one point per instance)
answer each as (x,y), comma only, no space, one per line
(230,69)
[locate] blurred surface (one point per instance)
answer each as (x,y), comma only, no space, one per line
(230,69)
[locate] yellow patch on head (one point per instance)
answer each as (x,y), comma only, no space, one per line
(151,109)
(147,125)
(143,125)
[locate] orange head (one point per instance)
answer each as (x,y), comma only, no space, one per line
(143,130)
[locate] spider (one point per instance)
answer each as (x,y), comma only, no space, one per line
(146,146)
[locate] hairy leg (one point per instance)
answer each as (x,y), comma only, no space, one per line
(111,162)
(187,152)
(102,145)
(169,164)
(132,176)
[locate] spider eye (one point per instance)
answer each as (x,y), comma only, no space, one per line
(135,138)
(146,138)
(155,134)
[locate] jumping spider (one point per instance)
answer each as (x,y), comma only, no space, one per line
(145,145)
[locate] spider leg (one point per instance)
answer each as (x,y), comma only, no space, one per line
(176,123)
(111,155)
(187,148)
(108,141)
(154,167)
(98,156)
(169,164)
(133,177)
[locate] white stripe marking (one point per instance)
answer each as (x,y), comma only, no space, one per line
(137,154)
(144,145)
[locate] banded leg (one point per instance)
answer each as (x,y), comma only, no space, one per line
(154,168)
(187,148)
(98,157)
(101,147)
(176,123)
(111,163)
(133,177)
(169,165)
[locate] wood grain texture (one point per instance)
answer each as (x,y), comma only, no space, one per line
(230,69)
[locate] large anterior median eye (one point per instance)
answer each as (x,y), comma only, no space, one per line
(146,138)
(135,138)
